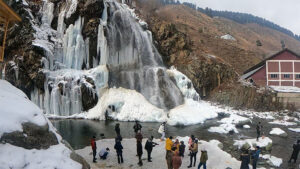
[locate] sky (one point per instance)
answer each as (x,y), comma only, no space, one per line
(285,13)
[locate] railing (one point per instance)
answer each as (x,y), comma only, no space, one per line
(1,53)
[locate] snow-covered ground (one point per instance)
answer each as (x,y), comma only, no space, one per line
(16,109)
(272,160)
(158,155)
(228,37)
(295,129)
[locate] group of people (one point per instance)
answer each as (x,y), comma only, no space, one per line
(175,150)
(175,153)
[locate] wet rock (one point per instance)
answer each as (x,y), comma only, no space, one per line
(269,147)
(89,97)
(222,115)
(32,137)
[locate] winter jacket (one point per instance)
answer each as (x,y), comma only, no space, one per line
(161,128)
(119,137)
(204,157)
(139,137)
(176,160)
(169,144)
(118,146)
(137,127)
(181,150)
(245,158)
(255,155)
(93,144)
(149,145)
(176,145)
(139,148)
(296,149)
(194,148)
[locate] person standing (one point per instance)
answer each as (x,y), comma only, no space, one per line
(191,140)
(139,136)
(119,149)
(103,153)
(255,157)
(203,159)
(245,158)
(296,149)
(94,148)
(117,129)
(162,131)
(149,146)
(137,127)
(181,149)
(176,160)
(176,145)
(193,154)
(169,153)
(139,149)
(258,130)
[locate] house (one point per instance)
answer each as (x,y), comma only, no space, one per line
(281,69)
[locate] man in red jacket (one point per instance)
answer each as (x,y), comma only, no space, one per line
(94,148)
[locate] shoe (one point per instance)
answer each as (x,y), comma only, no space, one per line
(94,161)
(189,166)
(149,161)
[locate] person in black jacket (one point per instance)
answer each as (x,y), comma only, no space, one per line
(149,146)
(245,158)
(296,149)
(117,129)
(137,127)
(181,149)
(139,149)
(258,130)
(119,149)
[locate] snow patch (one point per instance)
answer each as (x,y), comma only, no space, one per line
(262,142)
(286,89)
(228,37)
(274,161)
(295,130)
(277,131)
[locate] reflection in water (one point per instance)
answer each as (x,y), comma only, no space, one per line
(79,132)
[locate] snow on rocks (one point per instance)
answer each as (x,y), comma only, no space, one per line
(246,126)
(295,130)
(129,105)
(130,159)
(279,132)
(229,124)
(262,142)
(283,122)
(228,37)
(272,160)
(286,89)
(18,110)
(192,112)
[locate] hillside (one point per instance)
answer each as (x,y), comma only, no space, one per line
(205,32)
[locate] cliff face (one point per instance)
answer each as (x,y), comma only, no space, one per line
(24,65)
(179,49)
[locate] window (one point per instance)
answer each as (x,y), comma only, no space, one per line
(274,76)
(297,76)
(286,76)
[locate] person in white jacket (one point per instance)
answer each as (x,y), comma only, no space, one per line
(162,130)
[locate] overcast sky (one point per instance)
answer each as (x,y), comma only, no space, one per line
(285,13)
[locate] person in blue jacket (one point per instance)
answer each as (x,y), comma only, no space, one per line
(255,156)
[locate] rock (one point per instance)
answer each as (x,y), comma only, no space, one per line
(269,147)
(89,97)
(223,115)
(220,145)
(32,137)
(79,159)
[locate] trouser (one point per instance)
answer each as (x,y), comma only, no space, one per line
(169,156)
(140,159)
(149,155)
(254,162)
(200,164)
(193,155)
(163,135)
(258,135)
(104,156)
(120,157)
(94,155)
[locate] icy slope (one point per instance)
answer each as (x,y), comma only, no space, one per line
(17,109)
